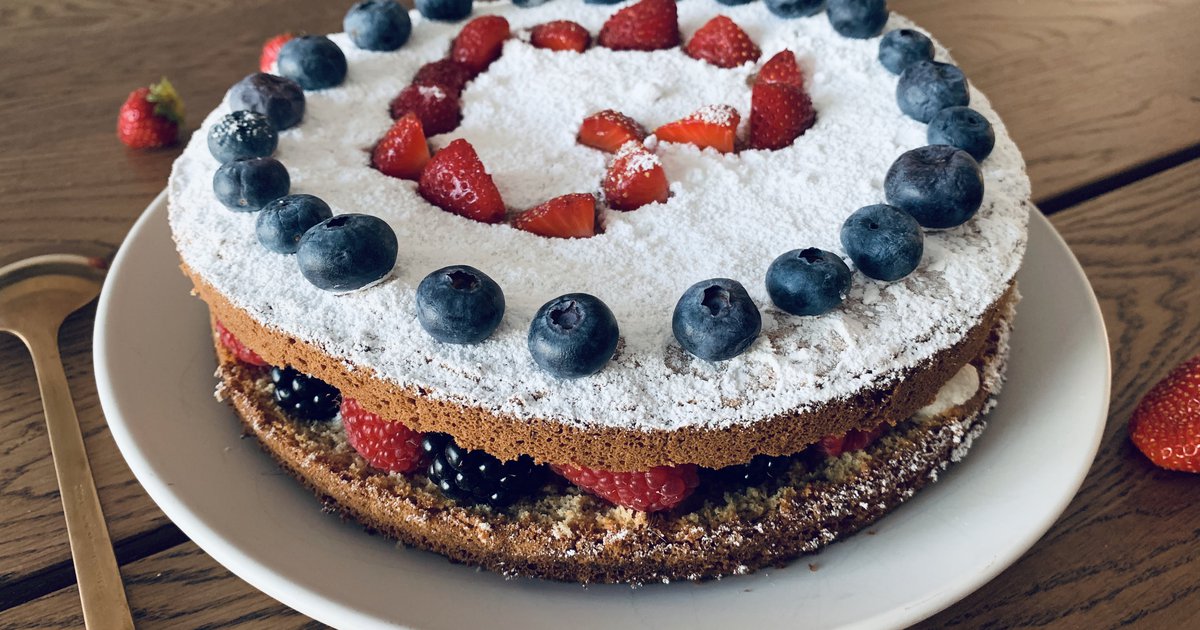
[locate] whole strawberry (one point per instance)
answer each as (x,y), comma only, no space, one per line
(151,117)
(1165,426)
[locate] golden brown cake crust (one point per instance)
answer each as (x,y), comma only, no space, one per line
(608,448)
(566,535)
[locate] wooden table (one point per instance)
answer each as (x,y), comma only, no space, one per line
(1103,96)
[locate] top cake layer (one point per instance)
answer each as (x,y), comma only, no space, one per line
(728,216)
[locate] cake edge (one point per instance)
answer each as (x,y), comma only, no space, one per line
(631,547)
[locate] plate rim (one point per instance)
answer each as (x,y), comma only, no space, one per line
(324,609)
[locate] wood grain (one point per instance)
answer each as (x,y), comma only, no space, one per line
(1089,88)
(1125,551)
(179,588)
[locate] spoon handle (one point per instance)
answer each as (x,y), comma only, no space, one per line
(96,572)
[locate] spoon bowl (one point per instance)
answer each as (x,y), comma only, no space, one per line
(43,290)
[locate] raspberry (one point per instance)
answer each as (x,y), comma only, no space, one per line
(386,445)
(241,352)
(660,488)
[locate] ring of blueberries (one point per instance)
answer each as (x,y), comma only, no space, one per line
(938,186)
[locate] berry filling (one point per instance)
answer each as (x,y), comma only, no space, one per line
(474,477)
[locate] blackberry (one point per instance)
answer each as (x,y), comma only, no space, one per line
(759,470)
(305,397)
(473,477)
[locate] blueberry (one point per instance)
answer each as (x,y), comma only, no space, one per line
(716,319)
(808,281)
(859,19)
(377,25)
(279,99)
(459,304)
(445,10)
(313,61)
(939,185)
(573,335)
(248,184)
(884,242)
(242,134)
(529,4)
(793,8)
(902,48)
(964,128)
(928,87)
(283,221)
(347,252)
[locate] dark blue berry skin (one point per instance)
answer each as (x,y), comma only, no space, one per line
(313,61)
(377,25)
(901,48)
(347,252)
(761,469)
(476,477)
(573,335)
(808,281)
(444,10)
(279,99)
(529,4)
(791,8)
(928,87)
(239,135)
(249,184)
(716,319)
(304,397)
(884,242)
(283,221)
(459,304)
(939,185)
(964,128)
(858,19)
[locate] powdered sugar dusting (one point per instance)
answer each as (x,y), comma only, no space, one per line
(637,159)
(715,114)
(728,216)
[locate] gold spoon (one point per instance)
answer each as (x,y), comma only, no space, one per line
(36,295)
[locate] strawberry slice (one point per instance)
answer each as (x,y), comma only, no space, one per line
(710,126)
(660,488)
(447,74)
(782,69)
(853,440)
(480,42)
(403,151)
(455,181)
(609,130)
(568,216)
(634,179)
(778,115)
(270,51)
(560,35)
(647,25)
(438,110)
(722,43)
(387,445)
(240,351)
(1165,426)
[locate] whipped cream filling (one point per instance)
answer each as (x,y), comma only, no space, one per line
(728,216)
(957,391)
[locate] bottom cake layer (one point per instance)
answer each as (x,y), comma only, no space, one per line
(563,533)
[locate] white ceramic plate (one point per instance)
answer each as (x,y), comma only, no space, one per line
(154,365)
